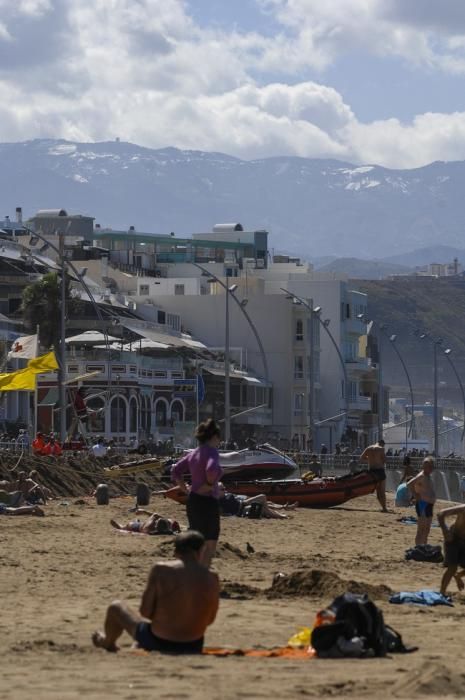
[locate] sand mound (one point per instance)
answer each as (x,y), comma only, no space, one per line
(238,591)
(75,474)
(315,582)
(226,550)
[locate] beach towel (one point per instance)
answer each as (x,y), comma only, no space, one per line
(275,652)
(423,597)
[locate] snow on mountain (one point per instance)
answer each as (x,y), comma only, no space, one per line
(314,207)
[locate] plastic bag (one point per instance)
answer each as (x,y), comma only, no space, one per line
(301,639)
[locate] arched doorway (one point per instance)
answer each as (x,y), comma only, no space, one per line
(118,415)
(177,411)
(161,413)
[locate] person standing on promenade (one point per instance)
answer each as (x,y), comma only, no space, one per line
(376,458)
(179,602)
(203,463)
(425,497)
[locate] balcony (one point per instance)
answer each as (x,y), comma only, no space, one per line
(360,403)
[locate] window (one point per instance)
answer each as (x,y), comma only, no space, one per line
(144,289)
(299,330)
(298,404)
(177,412)
(118,415)
(160,413)
(159,374)
(178,289)
(298,367)
(133,416)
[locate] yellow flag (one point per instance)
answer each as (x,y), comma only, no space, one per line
(44,363)
(25,379)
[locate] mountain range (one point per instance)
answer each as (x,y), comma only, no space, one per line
(311,207)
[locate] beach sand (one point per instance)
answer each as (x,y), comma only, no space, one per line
(59,573)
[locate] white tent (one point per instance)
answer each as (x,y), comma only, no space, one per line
(90,338)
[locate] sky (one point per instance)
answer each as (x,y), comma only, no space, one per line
(364,81)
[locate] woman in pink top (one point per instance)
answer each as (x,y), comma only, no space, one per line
(203,463)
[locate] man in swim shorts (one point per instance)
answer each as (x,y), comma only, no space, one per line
(376,458)
(454,546)
(423,488)
(179,602)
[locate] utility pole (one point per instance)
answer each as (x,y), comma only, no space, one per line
(311,377)
(435,398)
(62,362)
(380,388)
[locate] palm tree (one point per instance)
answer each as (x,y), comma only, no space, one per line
(40,306)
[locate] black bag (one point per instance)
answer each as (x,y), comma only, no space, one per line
(253,510)
(425,552)
(324,637)
(394,642)
(362,619)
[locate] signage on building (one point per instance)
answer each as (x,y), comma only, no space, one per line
(184,387)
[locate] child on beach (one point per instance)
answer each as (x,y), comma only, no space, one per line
(454,546)
(425,497)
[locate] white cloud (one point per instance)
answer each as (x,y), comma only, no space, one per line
(145,71)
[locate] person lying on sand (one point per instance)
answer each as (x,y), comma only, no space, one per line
(154,525)
(30,489)
(179,602)
(454,546)
(232,504)
(21,510)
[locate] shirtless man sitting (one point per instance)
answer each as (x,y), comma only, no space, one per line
(179,602)
(423,488)
(454,546)
(376,458)
(154,525)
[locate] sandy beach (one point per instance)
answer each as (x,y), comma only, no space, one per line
(59,573)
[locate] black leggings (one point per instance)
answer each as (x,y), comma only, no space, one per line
(203,514)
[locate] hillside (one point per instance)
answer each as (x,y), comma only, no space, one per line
(432,305)
(364,269)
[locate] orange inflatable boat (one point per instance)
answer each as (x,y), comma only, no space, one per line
(318,493)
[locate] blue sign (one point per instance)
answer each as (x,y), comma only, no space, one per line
(200,389)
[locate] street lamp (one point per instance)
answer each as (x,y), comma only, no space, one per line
(241,304)
(435,343)
(392,340)
(447,353)
(227,383)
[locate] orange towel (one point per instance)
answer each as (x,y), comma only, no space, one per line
(286,652)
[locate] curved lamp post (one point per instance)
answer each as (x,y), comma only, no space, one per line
(230,291)
(435,344)
(34,237)
(447,353)
(392,339)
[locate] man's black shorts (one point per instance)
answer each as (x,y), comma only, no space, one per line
(147,640)
(203,514)
(379,473)
(454,553)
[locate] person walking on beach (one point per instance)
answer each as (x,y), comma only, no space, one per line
(376,458)
(203,463)
(454,546)
(179,602)
(425,497)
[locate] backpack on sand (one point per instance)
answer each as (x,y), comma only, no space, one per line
(356,617)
